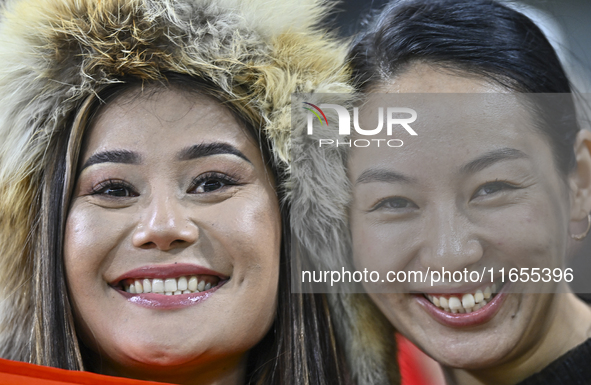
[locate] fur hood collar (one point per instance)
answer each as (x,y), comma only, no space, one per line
(320,197)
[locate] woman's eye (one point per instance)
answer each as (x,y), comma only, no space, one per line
(209,185)
(492,188)
(211,182)
(395,203)
(117,189)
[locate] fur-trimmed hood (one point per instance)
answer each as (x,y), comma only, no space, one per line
(55,53)
(320,197)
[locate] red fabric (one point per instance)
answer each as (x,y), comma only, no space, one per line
(410,360)
(410,363)
(20,373)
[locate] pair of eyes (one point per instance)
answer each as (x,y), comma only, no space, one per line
(204,183)
(487,189)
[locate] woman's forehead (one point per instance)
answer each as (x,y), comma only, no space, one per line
(162,122)
(453,130)
(423,77)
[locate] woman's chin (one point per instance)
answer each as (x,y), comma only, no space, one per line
(130,354)
(485,341)
(481,345)
(470,355)
(158,358)
(154,362)
(137,359)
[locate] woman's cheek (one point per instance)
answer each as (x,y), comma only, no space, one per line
(381,246)
(91,233)
(528,235)
(255,232)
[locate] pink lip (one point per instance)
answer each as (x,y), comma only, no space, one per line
(167,271)
(459,320)
(164,302)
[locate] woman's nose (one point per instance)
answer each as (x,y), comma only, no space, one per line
(165,225)
(449,241)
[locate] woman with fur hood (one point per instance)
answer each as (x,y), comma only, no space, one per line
(143,210)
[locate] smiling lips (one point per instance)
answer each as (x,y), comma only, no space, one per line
(168,286)
(464,303)
(463,310)
(171,286)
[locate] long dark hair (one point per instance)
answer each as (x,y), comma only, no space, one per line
(300,347)
(478,37)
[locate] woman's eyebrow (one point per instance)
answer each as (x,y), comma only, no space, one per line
(208,149)
(491,158)
(113,156)
(372,175)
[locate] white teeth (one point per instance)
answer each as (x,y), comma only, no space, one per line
(468,303)
(171,286)
(487,293)
(193,283)
(157,286)
(182,284)
(454,303)
(478,296)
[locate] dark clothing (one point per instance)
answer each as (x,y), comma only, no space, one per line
(573,368)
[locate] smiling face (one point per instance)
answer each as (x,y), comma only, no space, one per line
(172,239)
(474,189)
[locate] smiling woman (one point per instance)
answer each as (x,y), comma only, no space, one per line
(176,223)
(143,210)
(498,178)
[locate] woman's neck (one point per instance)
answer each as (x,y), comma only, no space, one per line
(570,326)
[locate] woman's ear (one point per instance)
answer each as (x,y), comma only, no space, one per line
(580,178)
